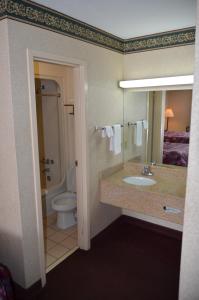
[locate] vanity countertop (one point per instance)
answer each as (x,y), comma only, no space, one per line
(168,191)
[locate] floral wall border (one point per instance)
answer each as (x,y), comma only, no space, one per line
(38,15)
(168,39)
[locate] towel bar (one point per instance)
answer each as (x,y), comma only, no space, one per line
(134,124)
(102,128)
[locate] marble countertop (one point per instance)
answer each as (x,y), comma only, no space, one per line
(168,191)
(170,181)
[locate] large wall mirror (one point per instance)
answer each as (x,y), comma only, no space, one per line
(157,125)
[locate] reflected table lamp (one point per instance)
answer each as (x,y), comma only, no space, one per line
(168,114)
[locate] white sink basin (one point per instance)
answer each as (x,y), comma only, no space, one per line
(137,180)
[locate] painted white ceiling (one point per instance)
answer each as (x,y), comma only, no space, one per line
(129,18)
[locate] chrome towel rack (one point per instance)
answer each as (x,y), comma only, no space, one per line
(131,124)
(102,128)
(134,124)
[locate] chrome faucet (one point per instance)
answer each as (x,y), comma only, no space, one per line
(147,171)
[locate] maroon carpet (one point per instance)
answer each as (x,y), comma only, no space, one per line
(130,260)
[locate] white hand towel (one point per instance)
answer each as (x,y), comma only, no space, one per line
(109,134)
(117,139)
(138,136)
(103,132)
(109,131)
(145,124)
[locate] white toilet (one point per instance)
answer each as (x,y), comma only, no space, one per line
(65,204)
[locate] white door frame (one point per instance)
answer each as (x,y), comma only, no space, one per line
(80,80)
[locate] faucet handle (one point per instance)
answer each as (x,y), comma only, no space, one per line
(147,168)
(147,171)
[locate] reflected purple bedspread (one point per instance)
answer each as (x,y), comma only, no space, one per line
(175,154)
(176,137)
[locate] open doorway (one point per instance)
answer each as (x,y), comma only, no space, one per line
(56,145)
(77,111)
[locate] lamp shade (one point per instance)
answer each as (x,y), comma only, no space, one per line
(169,113)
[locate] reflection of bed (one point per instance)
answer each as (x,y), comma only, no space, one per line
(176,148)
(175,154)
(176,137)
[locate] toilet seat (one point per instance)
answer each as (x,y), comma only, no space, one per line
(64,202)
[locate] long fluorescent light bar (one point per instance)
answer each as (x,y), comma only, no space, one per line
(163,81)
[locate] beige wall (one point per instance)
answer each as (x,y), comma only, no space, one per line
(164,62)
(11,235)
(180,103)
(104,70)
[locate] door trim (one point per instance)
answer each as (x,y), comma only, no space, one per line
(80,80)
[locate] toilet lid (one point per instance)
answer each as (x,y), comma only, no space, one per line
(64,201)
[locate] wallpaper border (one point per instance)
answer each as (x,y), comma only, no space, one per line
(38,15)
(167,39)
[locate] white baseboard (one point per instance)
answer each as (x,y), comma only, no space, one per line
(152,220)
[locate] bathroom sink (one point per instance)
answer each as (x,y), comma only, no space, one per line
(138,180)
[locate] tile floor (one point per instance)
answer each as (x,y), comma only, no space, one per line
(58,242)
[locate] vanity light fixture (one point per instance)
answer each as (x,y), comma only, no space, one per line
(157,82)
